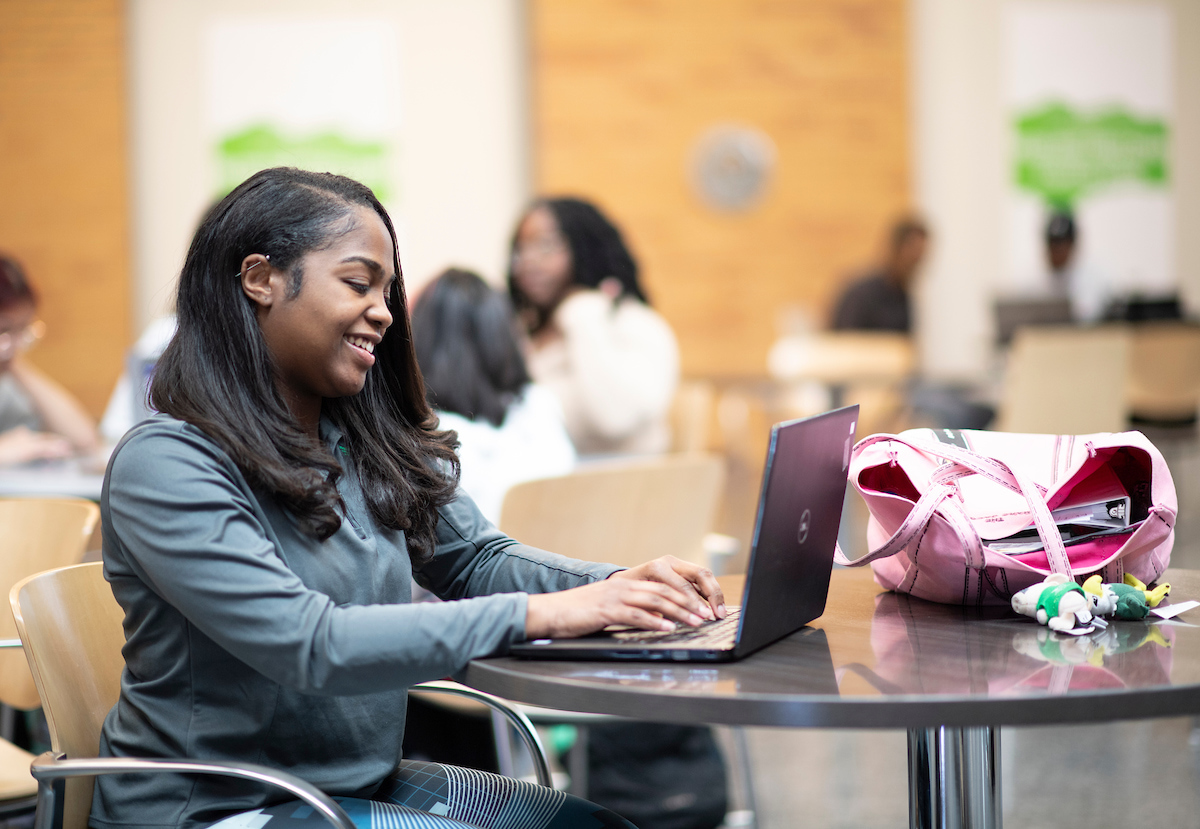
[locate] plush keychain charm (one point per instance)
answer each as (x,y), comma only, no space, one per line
(1129,601)
(1119,600)
(1153,597)
(1058,603)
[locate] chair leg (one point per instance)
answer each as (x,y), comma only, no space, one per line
(8,722)
(50,799)
(577,762)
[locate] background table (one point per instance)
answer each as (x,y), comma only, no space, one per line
(949,675)
(71,477)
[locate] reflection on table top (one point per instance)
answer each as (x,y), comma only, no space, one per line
(73,477)
(877,659)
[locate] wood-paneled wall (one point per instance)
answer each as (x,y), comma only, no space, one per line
(64,204)
(623,88)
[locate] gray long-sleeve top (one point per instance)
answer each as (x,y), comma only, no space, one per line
(247,640)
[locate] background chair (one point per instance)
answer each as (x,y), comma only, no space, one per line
(1066,381)
(625,512)
(692,413)
(71,629)
(870,368)
(35,533)
(1164,372)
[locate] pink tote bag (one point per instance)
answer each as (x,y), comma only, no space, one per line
(941,501)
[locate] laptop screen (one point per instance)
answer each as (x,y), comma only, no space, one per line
(800,511)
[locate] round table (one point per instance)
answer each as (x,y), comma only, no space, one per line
(949,675)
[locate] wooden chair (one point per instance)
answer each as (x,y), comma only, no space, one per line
(1066,381)
(692,413)
(71,629)
(870,368)
(623,511)
(1164,371)
(35,533)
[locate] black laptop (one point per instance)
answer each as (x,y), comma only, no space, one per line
(791,557)
(1012,313)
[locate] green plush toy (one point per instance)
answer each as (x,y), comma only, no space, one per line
(1130,601)
(1056,602)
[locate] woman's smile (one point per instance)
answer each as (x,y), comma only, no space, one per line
(364,346)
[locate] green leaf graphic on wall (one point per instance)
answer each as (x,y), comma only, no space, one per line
(255,148)
(1063,154)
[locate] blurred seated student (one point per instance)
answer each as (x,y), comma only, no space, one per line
(1064,277)
(880,300)
(39,419)
(509,429)
(611,360)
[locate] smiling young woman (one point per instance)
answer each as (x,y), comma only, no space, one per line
(261,533)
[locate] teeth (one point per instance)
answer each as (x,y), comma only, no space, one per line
(364,344)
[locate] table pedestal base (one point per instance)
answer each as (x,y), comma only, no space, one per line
(954,778)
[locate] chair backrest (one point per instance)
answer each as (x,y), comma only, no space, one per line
(870,368)
(36,534)
(692,413)
(1066,381)
(625,512)
(1164,370)
(70,625)
(844,357)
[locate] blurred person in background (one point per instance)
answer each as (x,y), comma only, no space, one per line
(1086,290)
(880,299)
(509,429)
(39,419)
(595,342)
(613,363)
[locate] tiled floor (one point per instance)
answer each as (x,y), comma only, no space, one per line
(1075,777)
(1137,773)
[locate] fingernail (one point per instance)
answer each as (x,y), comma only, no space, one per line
(667,625)
(694,620)
(721,610)
(706,612)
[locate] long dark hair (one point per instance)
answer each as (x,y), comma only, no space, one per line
(217,373)
(466,342)
(15,290)
(598,251)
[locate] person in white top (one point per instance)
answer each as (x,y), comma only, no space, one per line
(509,429)
(1087,290)
(609,357)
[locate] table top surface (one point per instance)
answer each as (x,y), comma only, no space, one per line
(877,659)
(71,477)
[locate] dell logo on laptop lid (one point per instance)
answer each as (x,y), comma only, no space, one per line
(805,520)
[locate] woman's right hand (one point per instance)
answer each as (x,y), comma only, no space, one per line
(649,605)
(22,445)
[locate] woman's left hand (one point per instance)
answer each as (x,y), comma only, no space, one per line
(683,576)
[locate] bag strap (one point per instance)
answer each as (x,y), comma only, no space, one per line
(964,462)
(913,524)
(997,470)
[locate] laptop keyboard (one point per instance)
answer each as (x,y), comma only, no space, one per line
(716,635)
